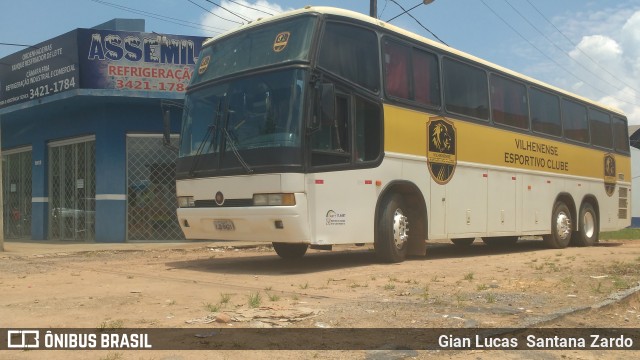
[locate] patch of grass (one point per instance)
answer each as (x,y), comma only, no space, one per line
(111,325)
(212,307)
(356,285)
(623,268)
(620,283)
(597,289)
(481,287)
(490,298)
(112,356)
(624,234)
(273,297)
(225,298)
(389,286)
(567,282)
(460,298)
(304,286)
(425,293)
(468,276)
(254,300)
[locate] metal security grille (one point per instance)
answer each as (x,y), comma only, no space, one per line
(151,184)
(16,192)
(72,190)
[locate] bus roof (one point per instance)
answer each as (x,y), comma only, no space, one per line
(395,29)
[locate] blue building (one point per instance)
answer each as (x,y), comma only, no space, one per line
(81,118)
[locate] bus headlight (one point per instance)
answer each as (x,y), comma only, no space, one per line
(186,201)
(274,199)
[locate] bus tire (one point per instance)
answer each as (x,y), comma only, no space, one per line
(391,240)
(290,251)
(500,240)
(588,232)
(561,227)
(462,242)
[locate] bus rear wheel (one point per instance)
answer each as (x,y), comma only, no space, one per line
(587,233)
(561,227)
(290,251)
(391,239)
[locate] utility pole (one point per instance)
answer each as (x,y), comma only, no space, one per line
(373,9)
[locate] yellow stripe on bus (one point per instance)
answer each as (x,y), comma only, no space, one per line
(406,133)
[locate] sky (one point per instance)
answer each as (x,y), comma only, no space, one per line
(591,48)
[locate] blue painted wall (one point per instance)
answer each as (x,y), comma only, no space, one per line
(109,118)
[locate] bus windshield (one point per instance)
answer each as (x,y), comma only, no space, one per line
(254,120)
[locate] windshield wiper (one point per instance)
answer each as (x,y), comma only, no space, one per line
(232,145)
(235,151)
(211,129)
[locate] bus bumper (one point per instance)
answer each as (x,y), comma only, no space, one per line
(255,223)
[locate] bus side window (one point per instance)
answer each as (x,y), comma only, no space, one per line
(465,89)
(545,112)
(600,126)
(620,135)
(509,102)
(574,121)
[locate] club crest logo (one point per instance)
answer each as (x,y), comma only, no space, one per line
(281,41)
(609,174)
(441,149)
(204,64)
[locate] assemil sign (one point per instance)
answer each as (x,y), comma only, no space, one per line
(99,59)
(136,61)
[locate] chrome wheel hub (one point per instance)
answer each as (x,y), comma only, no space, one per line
(563,225)
(400,228)
(588,224)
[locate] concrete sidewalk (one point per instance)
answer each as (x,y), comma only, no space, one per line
(33,247)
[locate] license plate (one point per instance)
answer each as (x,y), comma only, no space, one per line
(224,225)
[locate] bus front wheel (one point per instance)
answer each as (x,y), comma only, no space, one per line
(391,240)
(561,227)
(587,233)
(290,251)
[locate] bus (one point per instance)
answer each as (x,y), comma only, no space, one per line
(322,126)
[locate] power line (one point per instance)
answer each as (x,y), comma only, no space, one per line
(251,7)
(212,13)
(578,48)
(168,19)
(419,23)
(548,57)
(404,12)
(227,10)
(10,44)
(559,48)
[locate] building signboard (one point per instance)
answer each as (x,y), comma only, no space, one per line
(99,59)
(41,70)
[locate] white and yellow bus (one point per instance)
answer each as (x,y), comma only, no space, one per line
(322,126)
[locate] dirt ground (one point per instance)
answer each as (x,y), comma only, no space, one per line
(213,286)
